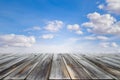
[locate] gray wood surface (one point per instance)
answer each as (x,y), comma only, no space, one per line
(59,66)
(94,71)
(23,70)
(75,70)
(58,70)
(42,70)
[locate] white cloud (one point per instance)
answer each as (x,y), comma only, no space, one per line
(105,44)
(79,32)
(75,27)
(112,6)
(102,37)
(13,40)
(34,28)
(88,24)
(102,24)
(90,38)
(47,36)
(54,26)
(108,44)
(96,38)
(113,44)
(101,6)
(64,47)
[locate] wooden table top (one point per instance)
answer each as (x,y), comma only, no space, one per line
(59,66)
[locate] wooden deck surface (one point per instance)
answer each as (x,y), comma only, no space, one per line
(59,66)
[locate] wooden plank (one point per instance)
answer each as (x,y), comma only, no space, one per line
(114,57)
(75,70)
(59,66)
(108,62)
(6,60)
(8,67)
(42,70)
(112,60)
(16,66)
(108,68)
(22,71)
(6,56)
(3,67)
(58,70)
(94,71)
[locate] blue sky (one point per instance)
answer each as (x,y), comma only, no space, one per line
(60,26)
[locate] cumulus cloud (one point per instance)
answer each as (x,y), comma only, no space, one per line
(108,44)
(102,24)
(54,26)
(112,6)
(75,27)
(13,40)
(47,36)
(34,28)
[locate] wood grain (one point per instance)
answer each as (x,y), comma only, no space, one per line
(59,66)
(58,70)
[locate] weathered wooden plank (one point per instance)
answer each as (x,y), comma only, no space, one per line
(116,57)
(23,70)
(42,70)
(63,66)
(108,68)
(94,71)
(58,70)
(6,56)
(3,67)
(6,60)
(108,62)
(8,67)
(113,56)
(112,60)
(75,70)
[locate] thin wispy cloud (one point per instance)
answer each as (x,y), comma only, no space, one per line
(34,28)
